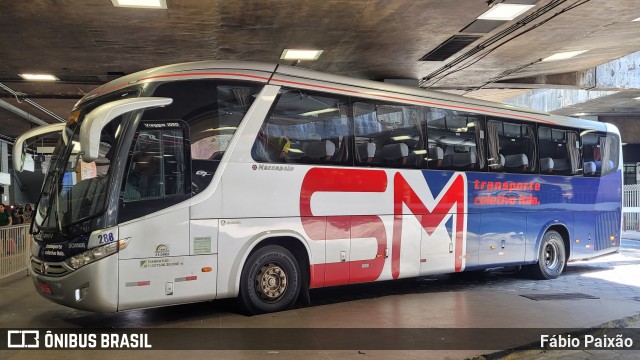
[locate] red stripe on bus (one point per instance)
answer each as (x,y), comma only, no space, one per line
(414,101)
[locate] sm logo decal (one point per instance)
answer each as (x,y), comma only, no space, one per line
(432,211)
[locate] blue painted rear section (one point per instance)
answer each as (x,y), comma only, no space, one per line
(504,226)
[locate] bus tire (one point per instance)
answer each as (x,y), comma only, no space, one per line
(551,257)
(270,280)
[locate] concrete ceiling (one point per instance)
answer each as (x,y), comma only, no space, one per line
(89,42)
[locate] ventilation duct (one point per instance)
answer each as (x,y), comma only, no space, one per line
(448,48)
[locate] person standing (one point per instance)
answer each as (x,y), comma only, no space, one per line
(16,213)
(27,214)
(5,217)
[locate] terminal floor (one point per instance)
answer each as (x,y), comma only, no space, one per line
(489,300)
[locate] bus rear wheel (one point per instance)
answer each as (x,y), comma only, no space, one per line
(270,281)
(551,258)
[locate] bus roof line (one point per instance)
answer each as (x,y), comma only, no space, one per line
(176,69)
(376,89)
(170,75)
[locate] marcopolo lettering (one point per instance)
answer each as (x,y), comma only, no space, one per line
(275,167)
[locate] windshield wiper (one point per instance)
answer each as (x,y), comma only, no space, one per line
(48,207)
(57,201)
(53,196)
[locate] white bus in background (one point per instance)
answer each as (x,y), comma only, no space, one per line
(212,180)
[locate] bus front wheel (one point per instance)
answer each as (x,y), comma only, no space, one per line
(551,257)
(270,281)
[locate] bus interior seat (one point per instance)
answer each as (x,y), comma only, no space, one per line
(436,154)
(464,160)
(517,162)
(561,165)
(377,157)
(589,168)
(367,152)
(599,165)
(546,165)
(395,154)
(447,157)
(320,150)
(459,157)
(412,159)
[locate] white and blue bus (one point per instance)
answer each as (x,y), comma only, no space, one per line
(211,180)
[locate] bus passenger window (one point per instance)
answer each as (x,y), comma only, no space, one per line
(512,147)
(157,165)
(600,153)
(389,135)
(456,140)
(559,151)
(307,128)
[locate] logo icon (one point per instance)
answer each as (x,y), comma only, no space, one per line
(203,173)
(254,167)
(162,250)
(21,339)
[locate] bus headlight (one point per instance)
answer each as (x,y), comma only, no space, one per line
(92,255)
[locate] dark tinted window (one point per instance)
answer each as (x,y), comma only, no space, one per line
(389,135)
(559,151)
(213,110)
(157,167)
(600,153)
(306,127)
(456,140)
(512,147)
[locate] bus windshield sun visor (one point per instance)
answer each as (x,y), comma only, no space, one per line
(19,148)
(102,115)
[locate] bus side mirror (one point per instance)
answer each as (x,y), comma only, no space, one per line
(20,150)
(99,117)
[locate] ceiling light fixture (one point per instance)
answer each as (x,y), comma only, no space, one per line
(297,54)
(505,12)
(564,55)
(638,19)
(39,77)
(144,4)
(637,98)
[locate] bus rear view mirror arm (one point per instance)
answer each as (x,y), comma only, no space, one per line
(19,148)
(102,115)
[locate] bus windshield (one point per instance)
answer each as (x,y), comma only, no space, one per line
(75,190)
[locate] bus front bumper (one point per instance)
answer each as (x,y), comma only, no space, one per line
(93,287)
